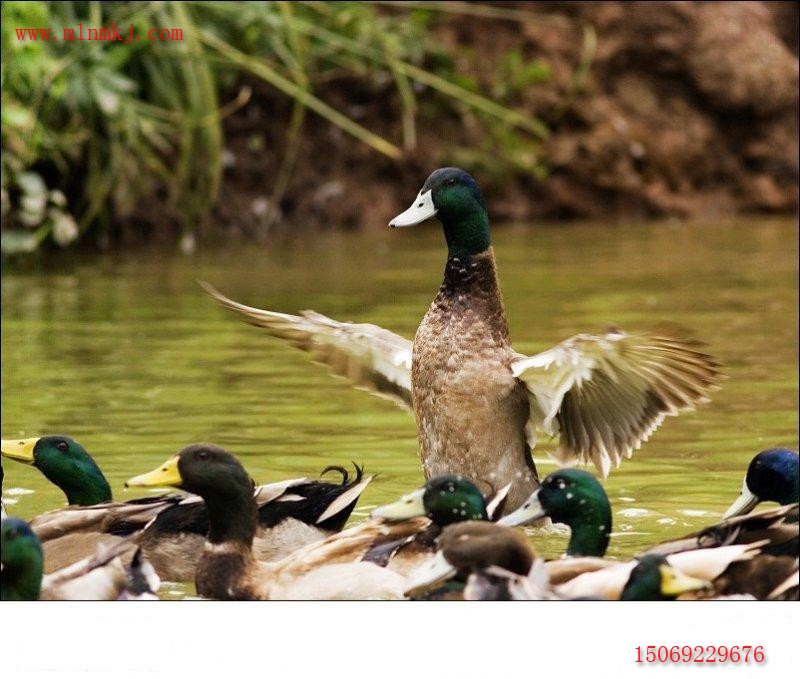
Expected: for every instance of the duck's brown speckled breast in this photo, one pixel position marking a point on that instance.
(471, 411)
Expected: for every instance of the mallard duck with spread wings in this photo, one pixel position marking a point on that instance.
(477, 402)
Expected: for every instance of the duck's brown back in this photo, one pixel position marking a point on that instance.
(471, 411)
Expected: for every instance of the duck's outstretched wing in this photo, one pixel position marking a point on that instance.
(373, 358)
(603, 395)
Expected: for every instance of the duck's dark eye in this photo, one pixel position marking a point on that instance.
(202, 455)
(62, 446)
(451, 182)
(12, 534)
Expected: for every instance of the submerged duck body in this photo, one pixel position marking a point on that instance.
(479, 404)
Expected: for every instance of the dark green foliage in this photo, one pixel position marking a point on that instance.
(93, 130)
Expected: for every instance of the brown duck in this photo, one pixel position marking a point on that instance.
(228, 568)
(477, 402)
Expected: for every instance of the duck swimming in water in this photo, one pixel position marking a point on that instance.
(772, 476)
(291, 513)
(108, 574)
(755, 555)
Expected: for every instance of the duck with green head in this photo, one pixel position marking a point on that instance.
(654, 579)
(102, 576)
(446, 500)
(227, 490)
(478, 403)
(575, 498)
(745, 555)
(23, 562)
(71, 534)
(290, 513)
(228, 568)
(471, 410)
(65, 463)
(772, 476)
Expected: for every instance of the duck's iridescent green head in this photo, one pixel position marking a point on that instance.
(22, 561)
(453, 196)
(65, 463)
(573, 497)
(445, 500)
(219, 478)
(654, 579)
(771, 477)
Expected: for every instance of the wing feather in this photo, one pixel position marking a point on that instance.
(604, 395)
(371, 357)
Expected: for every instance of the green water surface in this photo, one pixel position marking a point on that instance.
(126, 354)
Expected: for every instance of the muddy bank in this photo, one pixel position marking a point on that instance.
(654, 109)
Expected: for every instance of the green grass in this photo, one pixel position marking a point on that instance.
(92, 130)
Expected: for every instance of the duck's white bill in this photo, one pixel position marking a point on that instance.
(421, 209)
(428, 575)
(530, 510)
(407, 507)
(743, 504)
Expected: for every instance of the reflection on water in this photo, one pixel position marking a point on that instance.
(127, 355)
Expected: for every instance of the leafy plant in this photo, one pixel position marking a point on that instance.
(92, 130)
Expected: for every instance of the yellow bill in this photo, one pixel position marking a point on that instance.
(673, 582)
(19, 449)
(167, 474)
(407, 507)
